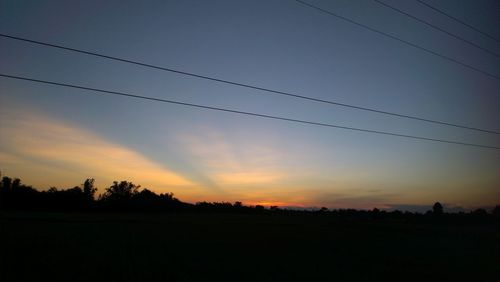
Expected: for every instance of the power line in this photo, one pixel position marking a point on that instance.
(458, 20)
(438, 28)
(267, 90)
(400, 40)
(128, 95)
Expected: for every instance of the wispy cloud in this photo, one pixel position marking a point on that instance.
(35, 145)
(231, 166)
(233, 162)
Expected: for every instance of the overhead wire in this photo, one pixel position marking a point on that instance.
(200, 106)
(437, 28)
(385, 34)
(244, 85)
(442, 12)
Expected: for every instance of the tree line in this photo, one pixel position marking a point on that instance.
(127, 196)
(120, 196)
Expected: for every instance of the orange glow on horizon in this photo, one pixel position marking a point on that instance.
(273, 203)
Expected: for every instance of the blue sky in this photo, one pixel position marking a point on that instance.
(52, 136)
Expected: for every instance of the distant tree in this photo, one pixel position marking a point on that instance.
(375, 213)
(168, 196)
(89, 189)
(15, 195)
(16, 184)
(75, 191)
(123, 190)
(6, 183)
(238, 204)
(145, 200)
(4, 191)
(437, 209)
(146, 193)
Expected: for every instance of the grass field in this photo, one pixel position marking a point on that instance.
(235, 247)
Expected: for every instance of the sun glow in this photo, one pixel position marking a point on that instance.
(272, 203)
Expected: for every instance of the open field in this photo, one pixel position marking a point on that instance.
(235, 247)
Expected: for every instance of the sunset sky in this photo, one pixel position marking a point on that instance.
(55, 136)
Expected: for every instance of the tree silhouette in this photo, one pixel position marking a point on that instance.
(89, 189)
(119, 196)
(121, 191)
(6, 184)
(15, 195)
(168, 197)
(437, 209)
(126, 196)
(16, 184)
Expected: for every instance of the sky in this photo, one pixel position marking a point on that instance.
(56, 136)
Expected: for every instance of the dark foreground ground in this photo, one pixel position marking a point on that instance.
(232, 247)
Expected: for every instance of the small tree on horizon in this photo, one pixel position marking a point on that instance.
(437, 209)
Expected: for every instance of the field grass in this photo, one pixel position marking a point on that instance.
(235, 247)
